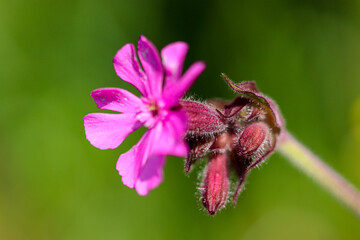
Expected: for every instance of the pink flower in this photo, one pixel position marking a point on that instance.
(161, 84)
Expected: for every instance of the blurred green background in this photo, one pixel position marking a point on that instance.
(55, 185)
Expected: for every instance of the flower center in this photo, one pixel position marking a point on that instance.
(151, 112)
(153, 108)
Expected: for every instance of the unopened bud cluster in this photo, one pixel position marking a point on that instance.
(234, 137)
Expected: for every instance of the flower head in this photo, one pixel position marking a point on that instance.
(235, 137)
(161, 83)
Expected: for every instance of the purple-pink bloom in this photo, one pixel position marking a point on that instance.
(162, 84)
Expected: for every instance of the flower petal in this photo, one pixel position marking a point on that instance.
(173, 56)
(142, 166)
(108, 131)
(116, 99)
(127, 68)
(150, 60)
(130, 163)
(176, 90)
(170, 135)
(151, 175)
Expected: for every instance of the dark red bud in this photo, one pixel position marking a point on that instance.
(216, 183)
(252, 137)
(202, 119)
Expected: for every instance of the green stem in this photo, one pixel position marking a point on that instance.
(313, 166)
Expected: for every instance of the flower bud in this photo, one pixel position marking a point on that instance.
(216, 183)
(235, 136)
(252, 138)
(202, 119)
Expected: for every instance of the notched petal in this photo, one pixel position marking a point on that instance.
(116, 99)
(175, 90)
(173, 57)
(108, 131)
(151, 175)
(127, 68)
(170, 135)
(151, 62)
